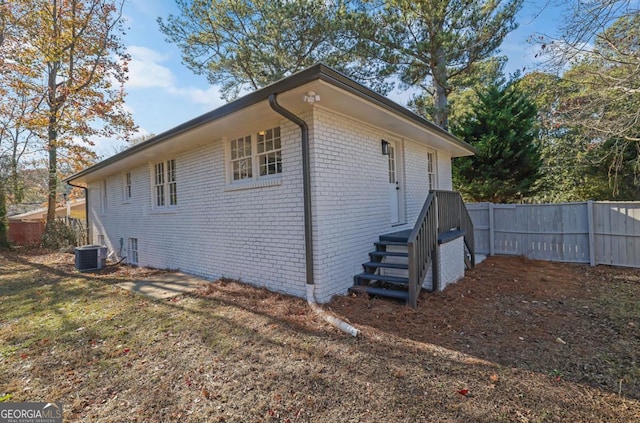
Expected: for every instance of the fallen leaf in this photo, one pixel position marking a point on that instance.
(494, 378)
(463, 392)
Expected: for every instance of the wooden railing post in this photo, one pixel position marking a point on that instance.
(435, 258)
(413, 298)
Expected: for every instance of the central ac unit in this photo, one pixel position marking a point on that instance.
(91, 257)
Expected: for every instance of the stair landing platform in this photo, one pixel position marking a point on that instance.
(400, 236)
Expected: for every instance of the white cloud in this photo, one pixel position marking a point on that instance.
(209, 97)
(127, 108)
(146, 70)
(107, 147)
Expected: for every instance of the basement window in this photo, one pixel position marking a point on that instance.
(133, 251)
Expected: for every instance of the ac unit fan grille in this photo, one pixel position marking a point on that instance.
(89, 257)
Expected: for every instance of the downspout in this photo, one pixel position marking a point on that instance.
(308, 226)
(86, 207)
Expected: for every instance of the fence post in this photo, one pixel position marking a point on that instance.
(435, 272)
(491, 235)
(592, 243)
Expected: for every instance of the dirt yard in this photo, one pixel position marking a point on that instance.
(516, 340)
(574, 322)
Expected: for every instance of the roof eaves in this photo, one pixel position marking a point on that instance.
(335, 78)
(262, 94)
(317, 71)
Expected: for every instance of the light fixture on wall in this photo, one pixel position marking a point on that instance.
(311, 97)
(385, 147)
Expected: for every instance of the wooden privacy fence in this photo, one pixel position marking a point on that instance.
(25, 233)
(591, 232)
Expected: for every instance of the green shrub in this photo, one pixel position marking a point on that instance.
(59, 235)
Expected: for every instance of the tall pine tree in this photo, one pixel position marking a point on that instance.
(502, 126)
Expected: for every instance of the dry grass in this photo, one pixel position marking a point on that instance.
(235, 353)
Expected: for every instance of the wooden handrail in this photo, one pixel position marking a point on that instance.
(421, 247)
(442, 211)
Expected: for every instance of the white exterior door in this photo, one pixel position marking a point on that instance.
(394, 183)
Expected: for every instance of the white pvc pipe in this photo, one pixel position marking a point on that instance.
(340, 324)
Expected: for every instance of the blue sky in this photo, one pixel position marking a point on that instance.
(163, 93)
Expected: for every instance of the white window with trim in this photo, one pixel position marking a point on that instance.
(255, 156)
(165, 187)
(126, 186)
(431, 170)
(133, 251)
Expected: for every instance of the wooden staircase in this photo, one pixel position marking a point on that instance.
(401, 260)
(386, 274)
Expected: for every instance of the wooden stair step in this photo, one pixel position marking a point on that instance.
(401, 236)
(387, 254)
(378, 265)
(381, 292)
(396, 280)
(390, 244)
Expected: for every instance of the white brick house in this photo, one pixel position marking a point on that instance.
(223, 195)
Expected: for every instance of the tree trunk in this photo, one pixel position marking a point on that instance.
(16, 186)
(4, 224)
(52, 135)
(439, 77)
(53, 176)
(49, 239)
(53, 183)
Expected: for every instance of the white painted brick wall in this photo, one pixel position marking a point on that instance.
(351, 202)
(417, 178)
(450, 266)
(257, 235)
(444, 171)
(254, 235)
(451, 262)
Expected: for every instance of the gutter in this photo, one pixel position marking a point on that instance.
(308, 217)
(86, 206)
